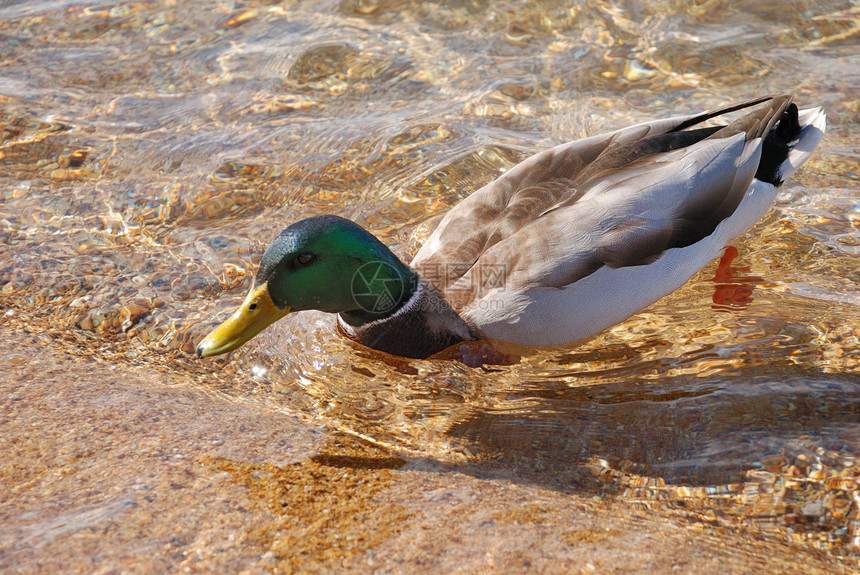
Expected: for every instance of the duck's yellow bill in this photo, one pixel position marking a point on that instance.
(256, 313)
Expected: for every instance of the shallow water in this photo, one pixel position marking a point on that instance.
(148, 158)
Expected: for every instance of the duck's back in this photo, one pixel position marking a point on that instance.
(581, 236)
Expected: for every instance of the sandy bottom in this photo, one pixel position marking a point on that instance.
(120, 468)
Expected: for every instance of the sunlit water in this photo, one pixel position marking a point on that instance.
(150, 151)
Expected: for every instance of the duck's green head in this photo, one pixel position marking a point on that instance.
(326, 263)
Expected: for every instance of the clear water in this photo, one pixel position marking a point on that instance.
(150, 151)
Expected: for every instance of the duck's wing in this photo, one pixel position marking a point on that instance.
(617, 199)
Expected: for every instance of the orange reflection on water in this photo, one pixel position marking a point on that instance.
(733, 289)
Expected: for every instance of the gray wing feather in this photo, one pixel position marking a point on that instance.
(463, 234)
(631, 222)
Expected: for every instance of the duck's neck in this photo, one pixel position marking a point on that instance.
(424, 325)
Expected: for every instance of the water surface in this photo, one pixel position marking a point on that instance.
(151, 150)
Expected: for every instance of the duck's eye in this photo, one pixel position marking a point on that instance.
(304, 259)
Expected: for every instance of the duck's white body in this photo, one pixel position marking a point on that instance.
(609, 295)
(624, 235)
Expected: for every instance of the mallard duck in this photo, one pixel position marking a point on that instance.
(567, 243)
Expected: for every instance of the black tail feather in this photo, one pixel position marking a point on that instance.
(776, 146)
